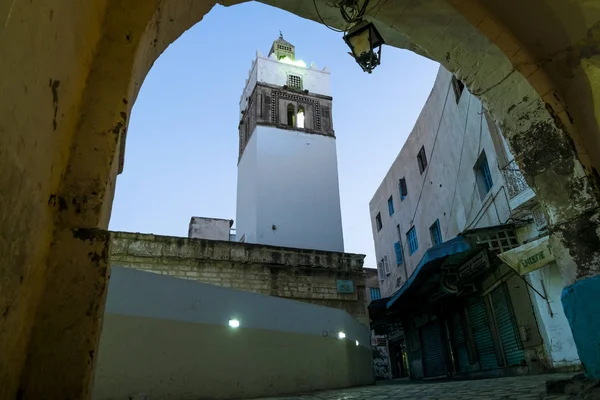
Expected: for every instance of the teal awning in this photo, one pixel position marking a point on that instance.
(430, 264)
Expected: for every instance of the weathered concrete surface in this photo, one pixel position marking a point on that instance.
(82, 66)
(169, 339)
(305, 275)
(67, 329)
(514, 388)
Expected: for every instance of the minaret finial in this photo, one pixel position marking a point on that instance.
(280, 34)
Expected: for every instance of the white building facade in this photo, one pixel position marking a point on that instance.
(455, 174)
(288, 188)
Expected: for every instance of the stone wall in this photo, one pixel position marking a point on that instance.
(305, 275)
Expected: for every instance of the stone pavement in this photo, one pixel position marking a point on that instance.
(512, 388)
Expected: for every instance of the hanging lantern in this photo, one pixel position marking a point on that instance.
(365, 44)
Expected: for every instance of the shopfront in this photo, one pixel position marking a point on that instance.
(464, 313)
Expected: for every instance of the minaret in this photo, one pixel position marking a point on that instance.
(288, 190)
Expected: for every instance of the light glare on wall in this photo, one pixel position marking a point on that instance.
(234, 323)
(357, 342)
(341, 335)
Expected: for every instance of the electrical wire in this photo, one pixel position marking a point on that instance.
(459, 164)
(322, 21)
(431, 155)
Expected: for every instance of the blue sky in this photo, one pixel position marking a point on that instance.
(182, 142)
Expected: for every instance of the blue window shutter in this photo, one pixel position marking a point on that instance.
(487, 176)
(413, 244)
(436, 233)
(391, 205)
(398, 251)
(375, 294)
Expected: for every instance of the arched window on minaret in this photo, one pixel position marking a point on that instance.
(300, 117)
(291, 115)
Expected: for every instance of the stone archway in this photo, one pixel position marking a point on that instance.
(75, 78)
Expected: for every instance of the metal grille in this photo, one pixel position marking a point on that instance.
(498, 241)
(515, 181)
(294, 81)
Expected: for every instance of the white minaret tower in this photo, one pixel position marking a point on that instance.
(288, 190)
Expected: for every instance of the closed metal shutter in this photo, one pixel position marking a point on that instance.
(459, 343)
(482, 334)
(507, 327)
(434, 356)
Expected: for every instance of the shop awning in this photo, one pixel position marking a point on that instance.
(529, 257)
(430, 263)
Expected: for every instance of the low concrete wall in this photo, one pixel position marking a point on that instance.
(169, 338)
(310, 276)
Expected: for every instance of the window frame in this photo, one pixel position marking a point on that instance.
(378, 222)
(422, 160)
(402, 197)
(295, 82)
(377, 296)
(391, 205)
(458, 87)
(399, 253)
(435, 230)
(386, 265)
(413, 240)
(483, 175)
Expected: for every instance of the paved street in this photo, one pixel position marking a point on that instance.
(514, 388)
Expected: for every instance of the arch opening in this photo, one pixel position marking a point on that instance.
(90, 142)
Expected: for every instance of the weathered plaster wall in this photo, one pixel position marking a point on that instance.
(169, 339)
(554, 326)
(288, 191)
(304, 275)
(453, 135)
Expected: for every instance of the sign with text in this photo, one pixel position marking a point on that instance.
(345, 286)
(529, 257)
(473, 266)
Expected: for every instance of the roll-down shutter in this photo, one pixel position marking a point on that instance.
(459, 343)
(482, 335)
(507, 327)
(434, 356)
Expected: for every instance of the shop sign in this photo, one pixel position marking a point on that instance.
(345, 286)
(473, 266)
(529, 257)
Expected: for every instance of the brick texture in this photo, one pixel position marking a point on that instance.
(305, 275)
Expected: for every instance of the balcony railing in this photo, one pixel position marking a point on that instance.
(515, 181)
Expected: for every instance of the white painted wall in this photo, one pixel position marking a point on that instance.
(209, 228)
(554, 327)
(290, 180)
(449, 193)
(247, 193)
(274, 72)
